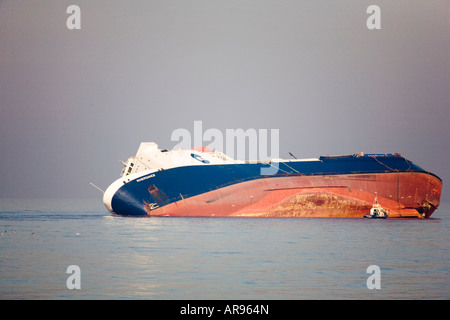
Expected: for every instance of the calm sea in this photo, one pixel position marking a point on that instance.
(216, 258)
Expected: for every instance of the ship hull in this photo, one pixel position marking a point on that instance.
(402, 195)
(331, 188)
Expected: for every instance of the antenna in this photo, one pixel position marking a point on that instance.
(96, 187)
(293, 155)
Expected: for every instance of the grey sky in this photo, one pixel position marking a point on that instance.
(75, 102)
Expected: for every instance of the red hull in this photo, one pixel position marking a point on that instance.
(402, 194)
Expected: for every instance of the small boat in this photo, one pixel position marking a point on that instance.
(376, 212)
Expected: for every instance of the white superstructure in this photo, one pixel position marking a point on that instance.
(150, 157)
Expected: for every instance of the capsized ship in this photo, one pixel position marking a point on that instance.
(201, 182)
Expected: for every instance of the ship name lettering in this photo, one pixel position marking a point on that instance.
(145, 178)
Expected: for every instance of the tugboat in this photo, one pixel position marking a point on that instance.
(377, 212)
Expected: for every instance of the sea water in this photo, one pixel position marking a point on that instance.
(216, 258)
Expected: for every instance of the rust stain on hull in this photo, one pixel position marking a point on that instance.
(319, 205)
